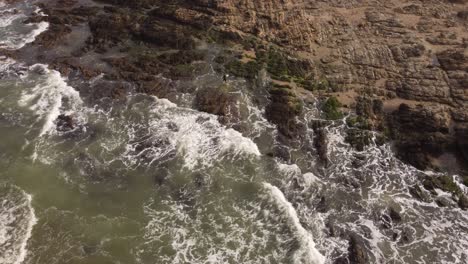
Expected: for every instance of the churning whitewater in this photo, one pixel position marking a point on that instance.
(149, 180)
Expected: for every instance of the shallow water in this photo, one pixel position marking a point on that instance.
(153, 181)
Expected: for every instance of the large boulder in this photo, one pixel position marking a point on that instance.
(219, 101)
(282, 110)
(420, 132)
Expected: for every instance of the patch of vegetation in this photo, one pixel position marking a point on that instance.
(276, 65)
(444, 183)
(279, 65)
(331, 109)
(248, 70)
(225, 88)
(286, 95)
(296, 104)
(447, 184)
(358, 122)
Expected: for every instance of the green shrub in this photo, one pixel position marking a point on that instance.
(331, 109)
(248, 70)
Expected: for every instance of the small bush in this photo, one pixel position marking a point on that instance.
(331, 109)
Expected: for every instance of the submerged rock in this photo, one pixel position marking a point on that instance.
(65, 123)
(357, 250)
(417, 192)
(463, 202)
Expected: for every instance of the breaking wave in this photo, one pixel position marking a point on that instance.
(17, 219)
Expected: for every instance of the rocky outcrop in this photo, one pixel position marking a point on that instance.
(283, 109)
(357, 250)
(421, 132)
(219, 101)
(65, 123)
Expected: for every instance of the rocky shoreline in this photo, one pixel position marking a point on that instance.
(406, 57)
(396, 67)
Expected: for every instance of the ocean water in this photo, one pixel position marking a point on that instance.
(148, 180)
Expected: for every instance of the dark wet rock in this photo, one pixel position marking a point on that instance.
(444, 183)
(406, 235)
(283, 109)
(61, 19)
(369, 107)
(161, 176)
(447, 184)
(103, 93)
(421, 132)
(219, 101)
(463, 202)
(417, 192)
(357, 250)
(341, 260)
(358, 160)
(69, 66)
(65, 123)
(89, 250)
(358, 139)
(461, 134)
(443, 201)
(38, 69)
(321, 145)
(394, 215)
(281, 152)
(386, 221)
(161, 35)
(322, 205)
(463, 15)
(172, 126)
(199, 180)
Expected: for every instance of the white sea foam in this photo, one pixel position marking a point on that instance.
(307, 252)
(379, 180)
(14, 33)
(7, 17)
(197, 137)
(7, 66)
(50, 97)
(17, 220)
(222, 232)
